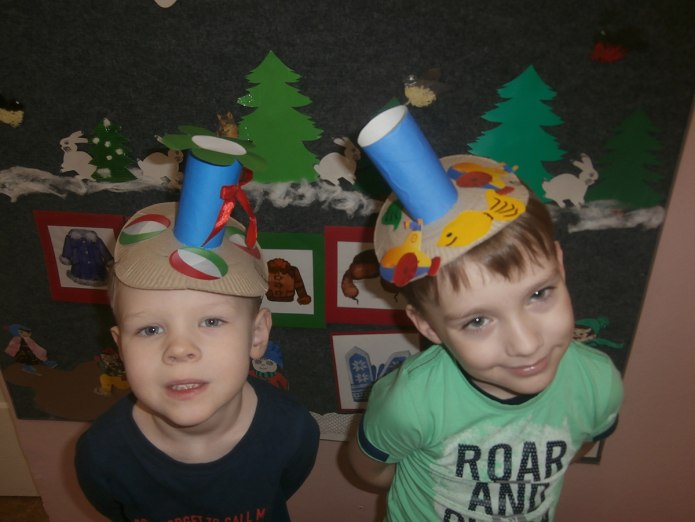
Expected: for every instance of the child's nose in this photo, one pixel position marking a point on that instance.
(181, 349)
(524, 338)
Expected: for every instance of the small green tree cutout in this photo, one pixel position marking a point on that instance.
(520, 139)
(624, 173)
(276, 128)
(110, 154)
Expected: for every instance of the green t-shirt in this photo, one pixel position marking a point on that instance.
(463, 456)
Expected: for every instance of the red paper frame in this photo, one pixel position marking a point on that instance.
(46, 219)
(337, 313)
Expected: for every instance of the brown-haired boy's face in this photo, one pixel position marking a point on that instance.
(508, 334)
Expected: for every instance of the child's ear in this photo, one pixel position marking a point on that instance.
(116, 335)
(422, 324)
(261, 333)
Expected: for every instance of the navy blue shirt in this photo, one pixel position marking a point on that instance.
(127, 478)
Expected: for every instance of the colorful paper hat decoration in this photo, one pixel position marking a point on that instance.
(440, 208)
(195, 245)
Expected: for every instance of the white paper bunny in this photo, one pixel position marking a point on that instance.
(76, 160)
(335, 165)
(163, 168)
(572, 187)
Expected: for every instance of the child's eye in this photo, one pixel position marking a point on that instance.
(542, 294)
(149, 331)
(476, 323)
(212, 322)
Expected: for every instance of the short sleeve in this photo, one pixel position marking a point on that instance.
(610, 398)
(392, 427)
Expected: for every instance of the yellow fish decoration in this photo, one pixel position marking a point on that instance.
(471, 225)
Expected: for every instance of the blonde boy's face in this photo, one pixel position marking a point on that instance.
(186, 352)
(509, 335)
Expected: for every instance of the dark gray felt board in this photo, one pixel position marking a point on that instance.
(151, 69)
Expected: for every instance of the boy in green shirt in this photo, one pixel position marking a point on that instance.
(482, 425)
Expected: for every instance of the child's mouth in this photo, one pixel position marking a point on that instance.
(532, 369)
(184, 387)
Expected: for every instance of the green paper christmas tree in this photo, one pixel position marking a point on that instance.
(624, 173)
(276, 128)
(520, 139)
(110, 155)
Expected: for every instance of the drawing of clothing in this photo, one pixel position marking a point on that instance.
(87, 256)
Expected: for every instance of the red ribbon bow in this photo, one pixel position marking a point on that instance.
(230, 194)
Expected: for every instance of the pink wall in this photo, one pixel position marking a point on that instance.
(646, 469)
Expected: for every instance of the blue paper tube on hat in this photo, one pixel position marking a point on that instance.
(197, 213)
(396, 145)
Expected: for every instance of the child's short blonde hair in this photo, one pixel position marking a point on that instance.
(529, 239)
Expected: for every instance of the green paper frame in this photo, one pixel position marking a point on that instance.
(306, 253)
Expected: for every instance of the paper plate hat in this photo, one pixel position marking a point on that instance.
(195, 245)
(440, 208)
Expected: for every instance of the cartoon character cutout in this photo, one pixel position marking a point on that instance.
(113, 373)
(269, 367)
(26, 351)
(587, 330)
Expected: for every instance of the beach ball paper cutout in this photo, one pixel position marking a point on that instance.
(198, 263)
(237, 237)
(143, 228)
